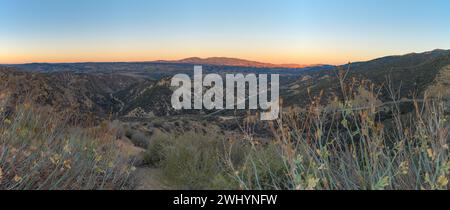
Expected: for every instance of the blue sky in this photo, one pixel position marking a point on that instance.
(278, 31)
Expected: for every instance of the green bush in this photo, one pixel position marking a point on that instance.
(156, 152)
(190, 161)
(263, 168)
(139, 139)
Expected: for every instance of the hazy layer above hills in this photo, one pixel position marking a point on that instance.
(156, 70)
(224, 61)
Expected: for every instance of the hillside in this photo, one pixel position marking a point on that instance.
(409, 74)
(86, 97)
(81, 96)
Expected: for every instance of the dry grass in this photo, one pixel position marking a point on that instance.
(39, 151)
(353, 143)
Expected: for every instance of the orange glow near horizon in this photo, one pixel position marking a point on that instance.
(279, 32)
(129, 56)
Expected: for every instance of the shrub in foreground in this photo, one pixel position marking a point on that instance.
(38, 151)
(190, 161)
(347, 145)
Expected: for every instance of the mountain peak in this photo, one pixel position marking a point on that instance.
(227, 61)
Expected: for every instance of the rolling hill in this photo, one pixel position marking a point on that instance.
(409, 74)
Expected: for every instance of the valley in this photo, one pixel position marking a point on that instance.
(133, 102)
(133, 90)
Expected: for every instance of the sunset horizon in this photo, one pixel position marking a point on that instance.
(289, 32)
(175, 59)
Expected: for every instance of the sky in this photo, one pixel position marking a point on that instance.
(275, 31)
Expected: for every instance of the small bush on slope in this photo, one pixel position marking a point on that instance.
(190, 161)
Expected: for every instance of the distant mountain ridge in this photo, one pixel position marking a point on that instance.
(135, 90)
(225, 61)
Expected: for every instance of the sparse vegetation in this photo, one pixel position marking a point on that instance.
(344, 145)
(348, 146)
(39, 151)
